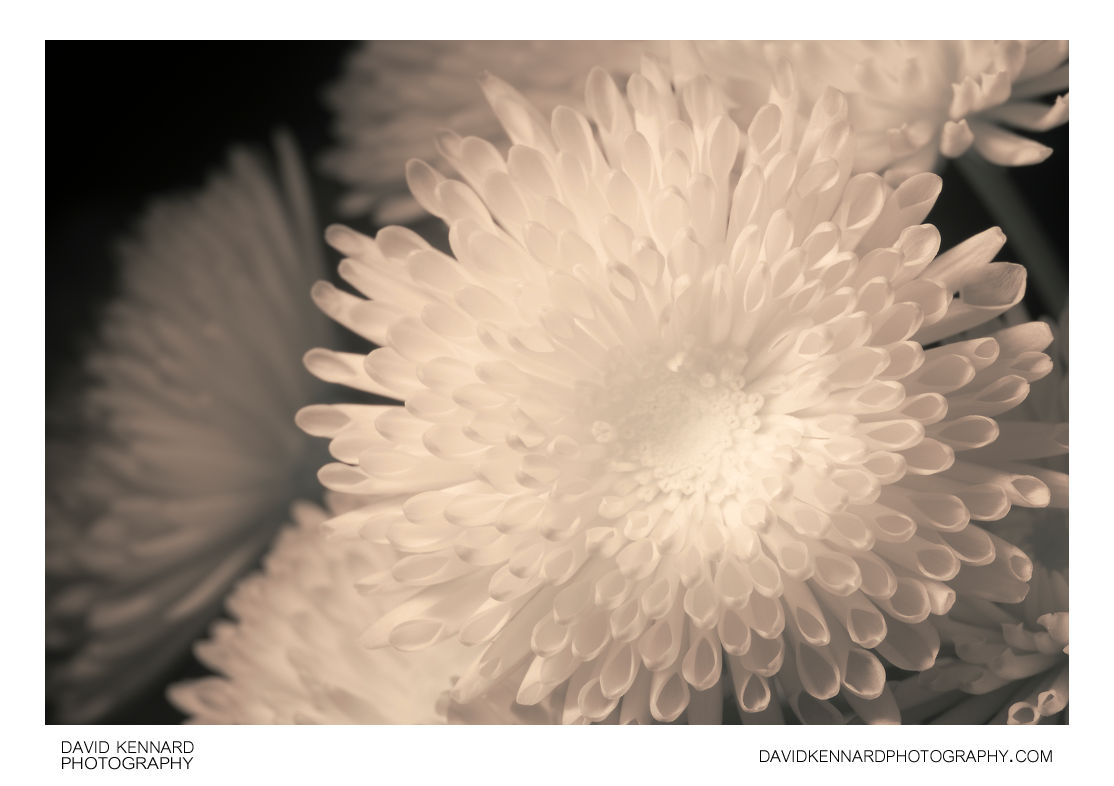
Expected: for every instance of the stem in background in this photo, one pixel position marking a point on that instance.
(1022, 227)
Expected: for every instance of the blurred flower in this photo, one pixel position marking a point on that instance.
(292, 656)
(914, 101)
(1014, 659)
(191, 454)
(395, 96)
(668, 412)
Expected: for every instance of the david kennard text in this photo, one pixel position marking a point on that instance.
(126, 754)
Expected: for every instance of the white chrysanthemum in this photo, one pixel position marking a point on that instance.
(1014, 659)
(911, 102)
(395, 96)
(673, 414)
(194, 453)
(292, 655)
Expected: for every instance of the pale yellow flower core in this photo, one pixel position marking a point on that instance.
(683, 423)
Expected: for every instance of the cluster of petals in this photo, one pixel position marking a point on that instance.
(1042, 533)
(1010, 663)
(680, 417)
(911, 103)
(395, 96)
(191, 452)
(290, 654)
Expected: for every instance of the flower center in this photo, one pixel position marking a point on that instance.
(682, 423)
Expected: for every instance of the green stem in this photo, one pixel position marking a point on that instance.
(1022, 227)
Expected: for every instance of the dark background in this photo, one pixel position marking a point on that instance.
(128, 121)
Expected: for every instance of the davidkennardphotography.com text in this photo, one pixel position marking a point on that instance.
(903, 756)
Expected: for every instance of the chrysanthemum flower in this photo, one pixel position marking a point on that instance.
(1014, 659)
(675, 420)
(193, 454)
(913, 102)
(396, 95)
(292, 655)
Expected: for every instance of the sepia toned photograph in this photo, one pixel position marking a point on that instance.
(547, 382)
